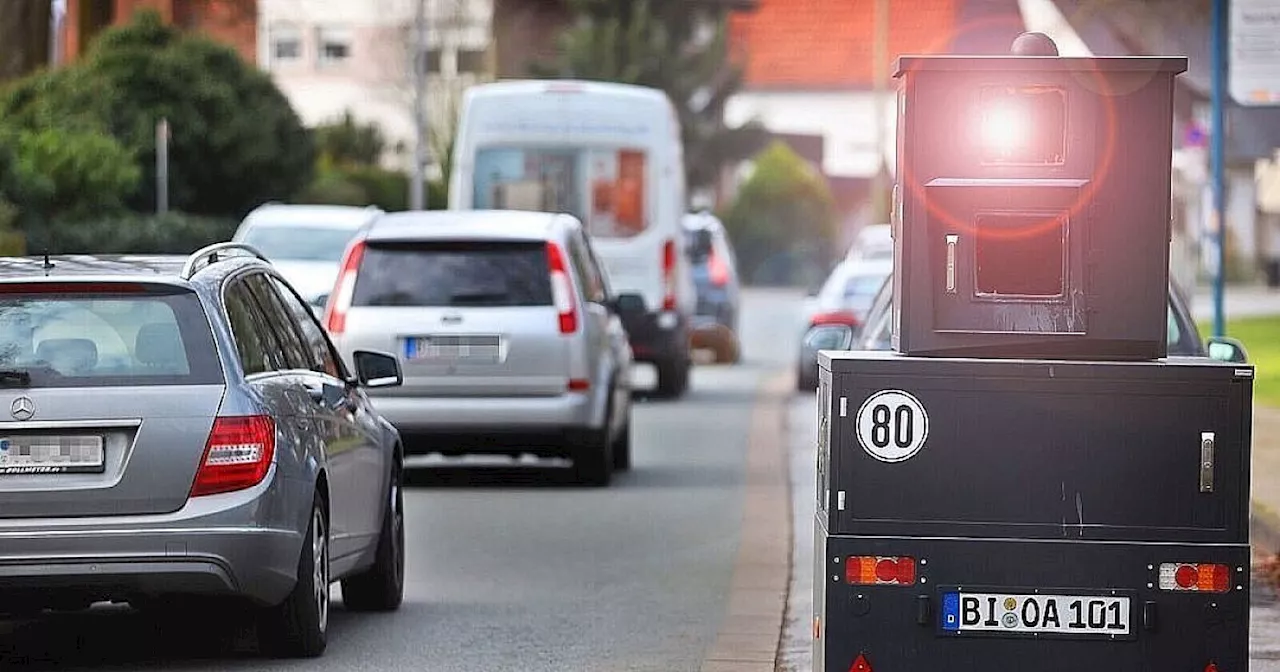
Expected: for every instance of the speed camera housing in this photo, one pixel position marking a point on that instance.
(1032, 206)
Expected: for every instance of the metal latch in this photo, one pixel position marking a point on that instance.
(1206, 461)
(952, 239)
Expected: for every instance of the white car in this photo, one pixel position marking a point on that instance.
(874, 243)
(305, 242)
(847, 294)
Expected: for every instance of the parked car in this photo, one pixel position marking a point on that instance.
(188, 430)
(877, 334)
(510, 338)
(304, 242)
(846, 294)
(715, 275)
(874, 242)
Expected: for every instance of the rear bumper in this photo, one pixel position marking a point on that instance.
(213, 546)
(489, 415)
(658, 337)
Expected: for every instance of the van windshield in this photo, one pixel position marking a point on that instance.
(604, 188)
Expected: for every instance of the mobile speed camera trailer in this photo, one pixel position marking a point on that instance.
(1028, 482)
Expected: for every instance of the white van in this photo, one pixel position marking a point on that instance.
(611, 155)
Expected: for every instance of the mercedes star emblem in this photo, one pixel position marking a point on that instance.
(22, 408)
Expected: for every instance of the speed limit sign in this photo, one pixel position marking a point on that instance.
(892, 425)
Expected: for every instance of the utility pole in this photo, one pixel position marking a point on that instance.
(1217, 150)
(417, 192)
(880, 78)
(162, 167)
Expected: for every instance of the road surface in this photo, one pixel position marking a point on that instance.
(512, 568)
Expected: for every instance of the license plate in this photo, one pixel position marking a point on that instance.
(453, 348)
(51, 455)
(1000, 613)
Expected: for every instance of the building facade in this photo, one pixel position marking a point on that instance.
(334, 56)
(232, 22)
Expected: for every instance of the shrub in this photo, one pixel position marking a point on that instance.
(170, 233)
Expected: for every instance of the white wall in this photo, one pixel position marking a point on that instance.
(846, 120)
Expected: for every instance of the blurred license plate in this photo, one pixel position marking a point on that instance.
(51, 455)
(453, 348)
(1016, 614)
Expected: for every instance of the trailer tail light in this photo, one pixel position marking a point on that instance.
(1211, 667)
(669, 275)
(1195, 578)
(562, 289)
(335, 318)
(869, 570)
(860, 664)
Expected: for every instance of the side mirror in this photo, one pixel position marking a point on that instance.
(627, 304)
(377, 369)
(320, 300)
(1225, 349)
(828, 337)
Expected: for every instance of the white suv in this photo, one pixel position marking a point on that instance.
(508, 335)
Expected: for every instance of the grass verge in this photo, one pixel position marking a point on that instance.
(1261, 337)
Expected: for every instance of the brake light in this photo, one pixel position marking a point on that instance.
(869, 570)
(335, 317)
(237, 456)
(719, 270)
(1195, 578)
(669, 275)
(71, 288)
(562, 289)
(844, 317)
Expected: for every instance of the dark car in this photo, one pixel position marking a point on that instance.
(715, 276)
(877, 334)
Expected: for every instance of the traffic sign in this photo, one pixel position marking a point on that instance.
(1255, 52)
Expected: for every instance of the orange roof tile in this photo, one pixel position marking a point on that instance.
(802, 44)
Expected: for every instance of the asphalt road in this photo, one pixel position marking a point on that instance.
(509, 566)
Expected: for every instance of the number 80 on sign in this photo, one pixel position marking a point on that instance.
(892, 425)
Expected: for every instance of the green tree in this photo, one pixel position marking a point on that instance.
(658, 43)
(235, 140)
(782, 220)
(347, 142)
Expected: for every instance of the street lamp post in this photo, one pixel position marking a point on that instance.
(417, 192)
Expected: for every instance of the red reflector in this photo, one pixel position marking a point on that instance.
(860, 664)
(883, 570)
(71, 288)
(579, 384)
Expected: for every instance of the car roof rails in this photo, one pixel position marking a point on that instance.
(212, 253)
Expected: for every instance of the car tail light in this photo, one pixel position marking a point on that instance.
(335, 318)
(870, 570)
(237, 456)
(669, 275)
(719, 270)
(562, 289)
(844, 317)
(860, 664)
(1195, 578)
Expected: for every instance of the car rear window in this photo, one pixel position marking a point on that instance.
(454, 274)
(91, 335)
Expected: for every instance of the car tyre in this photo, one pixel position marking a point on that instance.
(673, 379)
(299, 626)
(381, 586)
(622, 445)
(593, 459)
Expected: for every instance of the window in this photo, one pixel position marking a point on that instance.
(320, 349)
(1020, 255)
(430, 59)
(591, 286)
(300, 242)
(604, 188)
(334, 45)
(474, 61)
(258, 349)
(457, 274)
(286, 42)
(104, 337)
(277, 319)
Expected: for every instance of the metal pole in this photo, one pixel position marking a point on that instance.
(162, 167)
(1218, 150)
(417, 195)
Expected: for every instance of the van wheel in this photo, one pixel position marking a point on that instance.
(381, 587)
(673, 379)
(299, 626)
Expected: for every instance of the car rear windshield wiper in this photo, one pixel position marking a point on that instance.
(15, 378)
